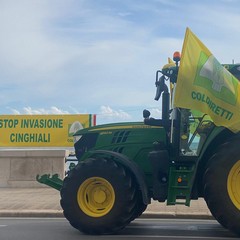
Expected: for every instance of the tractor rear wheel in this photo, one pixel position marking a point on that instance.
(99, 196)
(222, 185)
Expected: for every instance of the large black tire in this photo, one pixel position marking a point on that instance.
(139, 207)
(222, 185)
(99, 197)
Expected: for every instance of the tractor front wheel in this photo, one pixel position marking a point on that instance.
(98, 196)
(222, 185)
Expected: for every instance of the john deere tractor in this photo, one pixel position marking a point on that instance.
(175, 159)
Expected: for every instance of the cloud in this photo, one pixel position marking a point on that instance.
(40, 111)
(155, 113)
(107, 114)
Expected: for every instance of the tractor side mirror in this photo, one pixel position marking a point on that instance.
(146, 113)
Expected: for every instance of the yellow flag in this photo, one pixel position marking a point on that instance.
(203, 84)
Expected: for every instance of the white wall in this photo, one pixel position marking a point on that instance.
(18, 168)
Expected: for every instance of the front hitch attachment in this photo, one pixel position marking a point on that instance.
(54, 181)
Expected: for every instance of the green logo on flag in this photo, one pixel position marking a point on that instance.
(212, 76)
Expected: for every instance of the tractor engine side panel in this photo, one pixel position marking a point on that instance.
(135, 142)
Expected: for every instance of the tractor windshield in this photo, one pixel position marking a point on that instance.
(194, 129)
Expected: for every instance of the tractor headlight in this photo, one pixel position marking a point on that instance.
(83, 143)
(76, 138)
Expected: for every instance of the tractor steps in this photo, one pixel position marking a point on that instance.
(180, 185)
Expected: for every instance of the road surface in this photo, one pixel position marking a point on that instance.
(143, 228)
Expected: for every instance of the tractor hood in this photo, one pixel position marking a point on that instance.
(111, 127)
(117, 137)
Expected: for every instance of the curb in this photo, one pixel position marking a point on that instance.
(59, 214)
(176, 215)
(32, 213)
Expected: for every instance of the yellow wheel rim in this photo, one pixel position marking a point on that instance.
(233, 184)
(96, 197)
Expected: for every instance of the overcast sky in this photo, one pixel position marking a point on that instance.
(100, 56)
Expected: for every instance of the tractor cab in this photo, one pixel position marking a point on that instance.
(188, 132)
(187, 129)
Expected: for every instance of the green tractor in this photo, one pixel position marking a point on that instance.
(178, 158)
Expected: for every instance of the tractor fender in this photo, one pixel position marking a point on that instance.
(132, 166)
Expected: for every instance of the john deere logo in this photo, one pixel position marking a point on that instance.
(212, 76)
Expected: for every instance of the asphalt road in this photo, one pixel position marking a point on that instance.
(59, 229)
